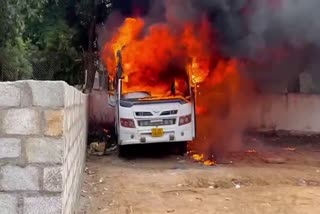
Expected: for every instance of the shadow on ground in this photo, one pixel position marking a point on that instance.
(151, 151)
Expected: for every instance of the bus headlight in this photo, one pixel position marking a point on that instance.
(127, 123)
(183, 120)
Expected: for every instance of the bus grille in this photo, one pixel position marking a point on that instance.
(164, 122)
(143, 114)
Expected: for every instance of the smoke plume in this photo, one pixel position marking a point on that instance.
(243, 26)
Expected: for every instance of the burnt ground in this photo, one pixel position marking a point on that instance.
(272, 174)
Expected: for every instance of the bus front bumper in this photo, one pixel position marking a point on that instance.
(129, 136)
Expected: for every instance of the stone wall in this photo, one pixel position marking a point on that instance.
(43, 129)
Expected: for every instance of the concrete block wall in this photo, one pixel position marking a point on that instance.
(43, 132)
(296, 113)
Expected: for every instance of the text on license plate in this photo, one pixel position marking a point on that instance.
(157, 132)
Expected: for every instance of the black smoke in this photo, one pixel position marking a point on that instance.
(277, 37)
(243, 26)
(132, 7)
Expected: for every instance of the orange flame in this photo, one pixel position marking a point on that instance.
(159, 56)
(201, 158)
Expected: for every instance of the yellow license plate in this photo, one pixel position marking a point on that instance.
(157, 132)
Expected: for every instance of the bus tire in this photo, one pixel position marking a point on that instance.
(182, 148)
(122, 151)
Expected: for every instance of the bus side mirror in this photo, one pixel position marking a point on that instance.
(112, 99)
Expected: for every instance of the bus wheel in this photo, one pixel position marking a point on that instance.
(182, 148)
(122, 151)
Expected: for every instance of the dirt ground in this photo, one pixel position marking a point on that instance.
(245, 183)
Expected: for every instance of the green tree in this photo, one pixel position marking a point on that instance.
(14, 48)
(91, 13)
(46, 39)
(55, 52)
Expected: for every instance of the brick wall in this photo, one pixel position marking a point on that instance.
(43, 129)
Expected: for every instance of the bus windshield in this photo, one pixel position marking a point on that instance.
(178, 88)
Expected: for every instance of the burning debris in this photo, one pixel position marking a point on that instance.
(209, 163)
(201, 158)
(198, 157)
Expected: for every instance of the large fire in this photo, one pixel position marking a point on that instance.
(154, 57)
(158, 55)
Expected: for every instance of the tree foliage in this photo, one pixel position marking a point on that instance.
(45, 39)
(53, 45)
(14, 48)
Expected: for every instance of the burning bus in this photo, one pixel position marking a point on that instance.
(155, 73)
(143, 117)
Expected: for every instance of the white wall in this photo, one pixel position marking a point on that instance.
(293, 112)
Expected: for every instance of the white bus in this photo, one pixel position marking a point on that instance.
(143, 119)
